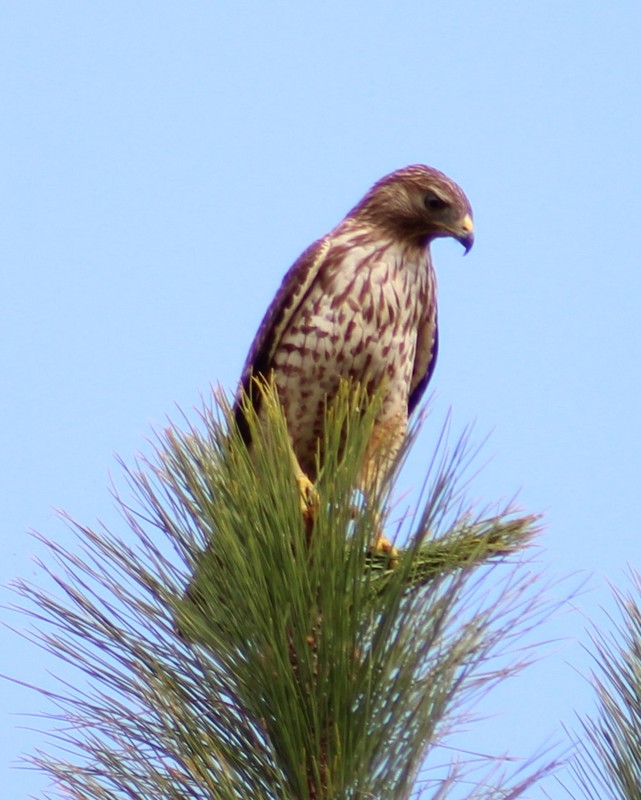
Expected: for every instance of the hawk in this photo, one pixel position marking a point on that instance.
(359, 304)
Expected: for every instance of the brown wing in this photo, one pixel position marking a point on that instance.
(422, 377)
(292, 292)
(426, 346)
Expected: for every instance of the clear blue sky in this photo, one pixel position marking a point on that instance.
(162, 164)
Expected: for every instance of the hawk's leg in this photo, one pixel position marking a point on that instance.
(382, 450)
(307, 493)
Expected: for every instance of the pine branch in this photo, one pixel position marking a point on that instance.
(608, 761)
(231, 652)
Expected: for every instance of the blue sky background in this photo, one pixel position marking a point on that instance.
(162, 164)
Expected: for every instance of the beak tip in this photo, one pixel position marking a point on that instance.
(467, 241)
(466, 237)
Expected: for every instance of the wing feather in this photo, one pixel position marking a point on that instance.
(426, 344)
(292, 293)
(423, 367)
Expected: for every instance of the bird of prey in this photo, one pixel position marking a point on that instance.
(359, 305)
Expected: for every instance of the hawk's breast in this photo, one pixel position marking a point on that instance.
(359, 320)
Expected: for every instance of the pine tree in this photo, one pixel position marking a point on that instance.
(607, 764)
(230, 650)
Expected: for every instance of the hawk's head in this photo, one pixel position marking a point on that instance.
(418, 203)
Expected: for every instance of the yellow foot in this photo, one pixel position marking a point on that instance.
(308, 497)
(383, 547)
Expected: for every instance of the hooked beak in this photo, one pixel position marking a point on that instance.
(465, 233)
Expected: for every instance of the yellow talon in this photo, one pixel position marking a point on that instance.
(384, 547)
(308, 497)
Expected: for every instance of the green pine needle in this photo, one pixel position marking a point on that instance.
(608, 761)
(233, 650)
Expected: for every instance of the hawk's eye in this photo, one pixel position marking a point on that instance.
(434, 202)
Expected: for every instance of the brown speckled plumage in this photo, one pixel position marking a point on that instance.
(361, 303)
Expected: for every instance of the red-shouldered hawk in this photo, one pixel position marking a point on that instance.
(360, 304)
